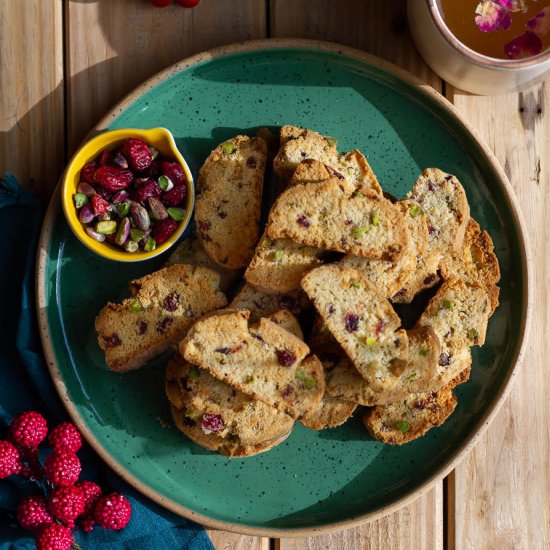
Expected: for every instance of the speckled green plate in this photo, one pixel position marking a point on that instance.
(314, 481)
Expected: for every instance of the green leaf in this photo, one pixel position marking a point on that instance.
(80, 199)
(176, 214)
(165, 183)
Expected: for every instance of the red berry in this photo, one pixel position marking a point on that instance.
(104, 158)
(54, 537)
(113, 178)
(161, 3)
(286, 358)
(175, 196)
(188, 3)
(91, 492)
(137, 154)
(146, 190)
(31, 469)
(28, 429)
(87, 173)
(10, 460)
(173, 171)
(113, 511)
(62, 468)
(212, 423)
(65, 437)
(66, 504)
(163, 229)
(99, 205)
(32, 513)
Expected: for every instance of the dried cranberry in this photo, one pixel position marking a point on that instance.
(112, 178)
(251, 162)
(112, 341)
(429, 279)
(380, 327)
(303, 220)
(212, 422)
(287, 392)
(173, 171)
(286, 358)
(104, 194)
(87, 173)
(337, 174)
(154, 169)
(171, 302)
(163, 229)
(104, 158)
(203, 230)
(433, 230)
(175, 196)
(142, 327)
(399, 294)
(225, 350)
(99, 205)
(444, 359)
(331, 309)
(431, 186)
(146, 190)
(163, 324)
(137, 154)
(351, 321)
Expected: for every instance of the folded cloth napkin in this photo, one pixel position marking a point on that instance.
(26, 385)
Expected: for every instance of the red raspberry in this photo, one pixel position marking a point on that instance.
(62, 468)
(87, 173)
(32, 513)
(28, 429)
(54, 537)
(92, 492)
(65, 437)
(31, 468)
(100, 206)
(173, 171)
(188, 3)
(137, 154)
(10, 460)
(66, 504)
(161, 3)
(113, 511)
(113, 178)
(175, 196)
(163, 229)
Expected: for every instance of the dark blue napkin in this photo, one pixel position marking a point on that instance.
(26, 385)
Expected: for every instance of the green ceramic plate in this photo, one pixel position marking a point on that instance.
(313, 481)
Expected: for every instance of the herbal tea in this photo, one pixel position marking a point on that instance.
(505, 29)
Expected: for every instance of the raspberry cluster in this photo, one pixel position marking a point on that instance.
(67, 502)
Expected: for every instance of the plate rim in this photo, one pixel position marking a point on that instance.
(431, 96)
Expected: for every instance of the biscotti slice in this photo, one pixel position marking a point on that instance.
(390, 277)
(325, 215)
(229, 200)
(345, 382)
(355, 168)
(363, 322)
(297, 145)
(410, 418)
(475, 262)
(190, 252)
(443, 200)
(219, 408)
(263, 360)
(230, 447)
(278, 265)
(261, 304)
(315, 171)
(458, 314)
(287, 321)
(321, 339)
(163, 306)
(329, 413)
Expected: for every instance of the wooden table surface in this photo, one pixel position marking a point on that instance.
(64, 63)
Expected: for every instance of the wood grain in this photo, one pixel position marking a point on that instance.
(113, 46)
(501, 491)
(223, 540)
(31, 92)
(379, 28)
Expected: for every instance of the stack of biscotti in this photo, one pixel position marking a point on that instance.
(162, 308)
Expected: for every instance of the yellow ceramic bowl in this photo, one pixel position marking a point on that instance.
(159, 138)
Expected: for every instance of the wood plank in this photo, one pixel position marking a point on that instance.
(379, 28)
(418, 526)
(114, 46)
(223, 540)
(501, 492)
(31, 92)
